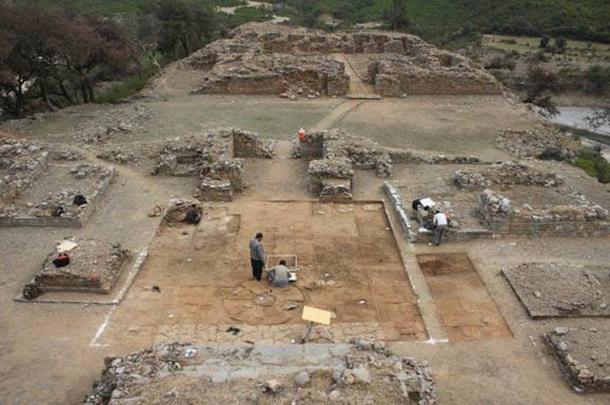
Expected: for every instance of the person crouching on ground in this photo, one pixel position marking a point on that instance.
(257, 256)
(440, 226)
(278, 275)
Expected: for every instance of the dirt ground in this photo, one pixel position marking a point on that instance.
(51, 353)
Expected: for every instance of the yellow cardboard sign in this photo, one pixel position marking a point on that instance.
(312, 314)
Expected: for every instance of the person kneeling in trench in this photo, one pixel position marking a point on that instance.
(278, 275)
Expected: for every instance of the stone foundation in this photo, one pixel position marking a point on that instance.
(215, 157)
(505, 174)
(94, 267)
(92, 181)
(583, 354)
(214, 190)
(262, 58)
(584, 219)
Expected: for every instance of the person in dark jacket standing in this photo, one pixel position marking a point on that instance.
(257, 256)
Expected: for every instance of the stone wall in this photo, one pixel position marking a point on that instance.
(215, 157)
(583, 219)
(506, 174)
(262, 58)
(324, 169)
(248, 145)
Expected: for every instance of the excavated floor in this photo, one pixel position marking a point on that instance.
(465, 307)
(349, 265)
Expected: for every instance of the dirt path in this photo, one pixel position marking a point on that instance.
(336, 115)
(357, 87)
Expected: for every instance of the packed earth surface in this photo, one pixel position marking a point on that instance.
(178, 318)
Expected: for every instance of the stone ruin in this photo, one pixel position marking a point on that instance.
(561, 290)
(37, 187)
(21, 162)
(216, 157)
(505, 174)
(544, 142)
(363, 372)
(94, 267)
(263, 58)
(581, 218)
(331, 176)
(583, 355)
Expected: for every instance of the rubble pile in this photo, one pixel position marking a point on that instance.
(543, 142)
(21, 162)
(94, 267)
(584, 356)
(506, 174)
(216, 157)
(263, 58)
(64, 153)
(360, 373)
(124, 119)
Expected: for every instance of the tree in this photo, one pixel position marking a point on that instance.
(46, 53)
(396, 15)
(539, 85)
(560, 44)
(308, 12)
(599, 118)
(185, 26)
(598, 79)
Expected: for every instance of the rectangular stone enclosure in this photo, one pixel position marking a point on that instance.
(560, 290)
(348, 263)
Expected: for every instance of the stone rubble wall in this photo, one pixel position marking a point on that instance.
(336, 190)
(216, 158)
(506, 173)
(248, 145)
(582, 371)
(584, 219)
(397, 75)
(260, 58)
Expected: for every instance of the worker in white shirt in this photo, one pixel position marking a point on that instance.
(440, 226)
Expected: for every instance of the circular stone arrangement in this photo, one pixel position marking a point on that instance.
(256, 303)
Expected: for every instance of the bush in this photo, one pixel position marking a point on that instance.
(594, 164)
(597, 79)
(124, 89)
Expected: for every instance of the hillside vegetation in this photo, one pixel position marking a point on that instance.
(438, 21)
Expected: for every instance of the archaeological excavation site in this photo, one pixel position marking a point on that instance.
(417, 245)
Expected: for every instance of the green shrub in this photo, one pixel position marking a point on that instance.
(122, 90)
(594, 164)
